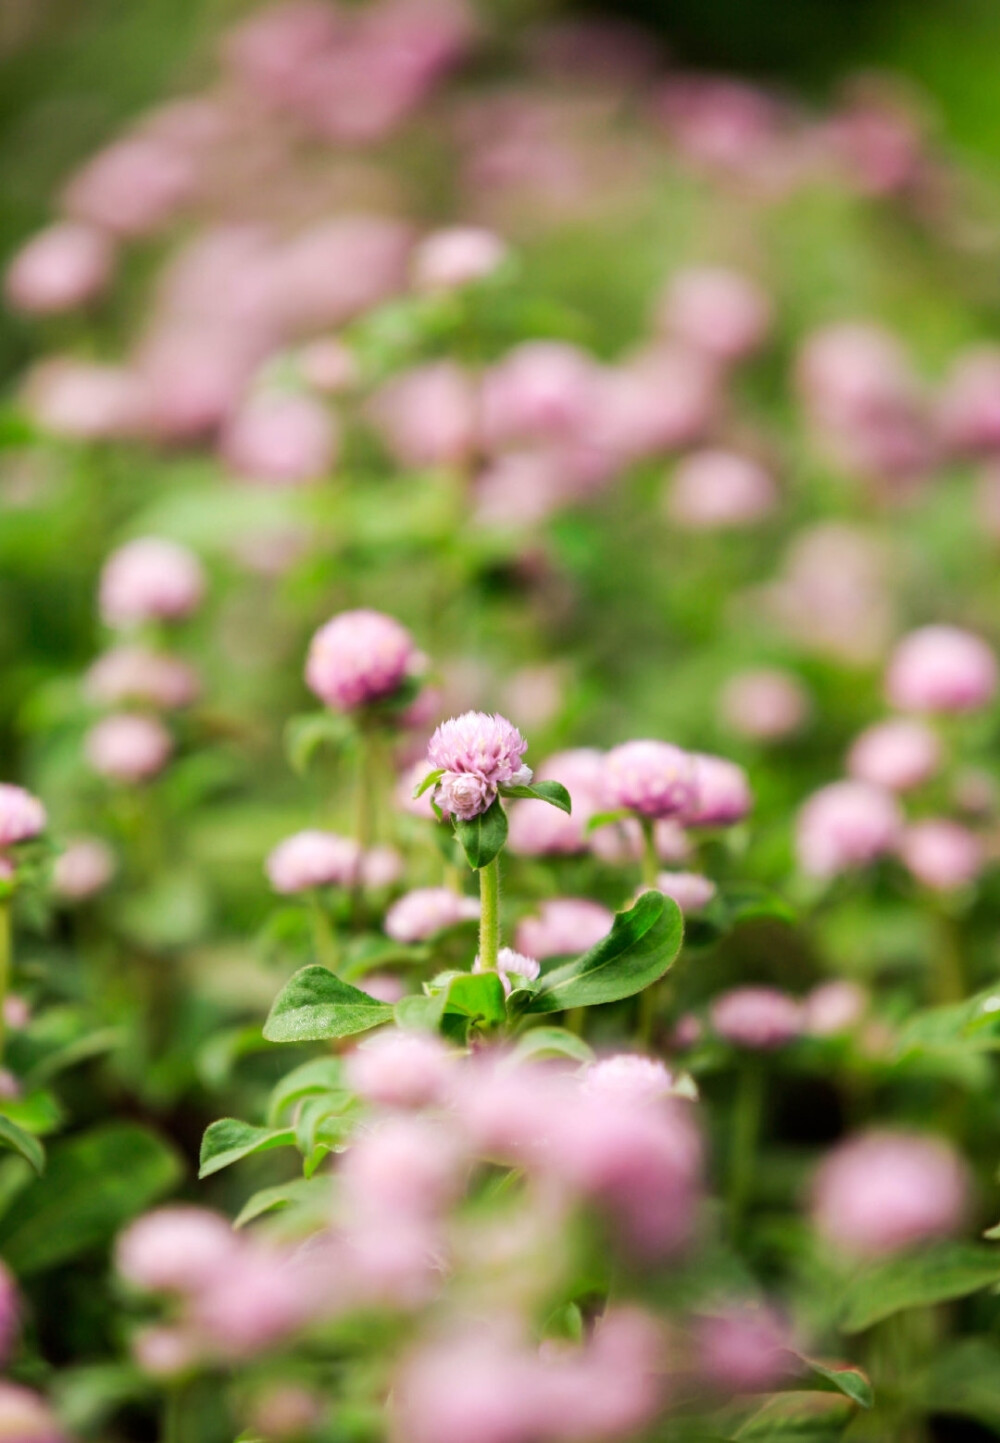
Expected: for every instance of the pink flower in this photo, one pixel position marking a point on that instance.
(133, 673)
(881, 1191)
(176, 1250)
(722, 793)
(628, 1078)
(969, 406)
(281, 440)
(513, 967)
(132, 187)
(400, 1069)
(83, 400)
(846, 825)
(448, 259)
(406, 1167)
(84, 868)
(765, 705)
(150, 580)
(128, 748)
(60, 268)
(718, 489)
(328, 366)
(313, 859)
(942, 854)
(898, 754)
(22, 816)
(359, 657)
(464, 795)
(651, 778)
(252, 1305)
(427, 416)
(487, 747)
(422, 913)
(743, 1350)
(722, 313)
(690, 890)
(834, 1007)
(757, 1017)
(381, 867)
(536, 829)
(941, 669)
(25, 1417)
(540, 391)
(564, 927)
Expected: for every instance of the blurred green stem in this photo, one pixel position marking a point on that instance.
(650, 861)
(489, 920)
(949, 974)
(747, 1114)
(5, 964)
(364, 805)
(323, 935)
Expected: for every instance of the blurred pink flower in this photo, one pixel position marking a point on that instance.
(718, 489)
(652, 778)
(128, 748)
(898, 754)
(419, 914)
(564, 927)
(150, 579)
(942, 854)
(846, 825)
(941, 669)
(759, 1018)
(58, 269)
(359, 657)
(313, 859)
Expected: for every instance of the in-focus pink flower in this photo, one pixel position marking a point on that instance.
(652, 778)
(713, 490)
(898, 754)
(83, 869)
(482, 746)
(846, 825)
(60, 268)
(313, 859)
(419, 914)
(150, 579)
(757, 1017)
(128, 748)
(22, 816)
(883, 1190)
(564, 927)
(942, 854)
(359, 657)
(941, 669)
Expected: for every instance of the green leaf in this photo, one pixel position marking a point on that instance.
(318, 1076)
(483, 837)
(304, 735)
(478, 996)
(430, 780)
(95, 1183)
(916, 1280)
(229, 1140)
(270, 1199)
(315, 1005)
(802, 1417)
(551, 1042)
(420, 1013)
(552, 792)
(637, 951)
(820, 1377)
(22, 1142)
(82, 1049)
(607, 819)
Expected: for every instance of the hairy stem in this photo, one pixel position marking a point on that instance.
(489, 921)
(650, 861)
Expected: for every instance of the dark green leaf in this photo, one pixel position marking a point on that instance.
(552, 792)
(229, 1140)
(484, 836)
(95, 1183)
(478, 996)
(22, 1142)
(640, 947)
(315, 1005)
(916, 1280)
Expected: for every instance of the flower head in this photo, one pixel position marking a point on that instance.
(313, 859)
(845, 825)
(22, 816)
(757, 1017)
(563, 927)
(425, 911)
(652, 778)
(86, 866)
(359, 657)
(690, 890)
(722, 793)
(128, 748)
(941, 669)
(898, 754)
(150, 579)
(477, 753)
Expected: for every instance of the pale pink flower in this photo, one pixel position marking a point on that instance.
(690, 890)
(359, 657)
(513, 968)
(313, 858)
(537, 829)
(628, 1078)
(652, 778)
(898, 754)
(166, 1352)
(969, 405)
(407, 785)
(328, 365)
(765, 705)
(942, 854)
(25, 1417)
(128, 748)
(177, 1250)
(834, 1007)
(564, 927)
(286, 1411)
(60, 268)
(22, 816)
(464, 794)
(832, 594)
(427, 416)
(337, 269)
(480, 745)
(400, 1069)
(404, 1167)
(759, 1018)
(420, 914)
(721, 313)
(385, 987)
(744, 1350)
(846, 825)
(134, 673)
(722, 793)
(715, 489)
(245, 1309)
(881, 1191)
(132, 187)
(83, 869)
(281, 440)
(16, 1011)
(941, 669)
(381, 867)
(150, 579)
(540, 391)
(448, 259)
(83, 400)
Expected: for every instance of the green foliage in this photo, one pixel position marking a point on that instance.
(483, 837)
(641, 946)
(315, 1005)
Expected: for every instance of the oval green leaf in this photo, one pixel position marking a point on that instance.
(315, 1005)
(483, 837)
(229, 1140)
(641, 946)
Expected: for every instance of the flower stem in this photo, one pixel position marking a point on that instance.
(5, 963)
(323, 935)
(364, 802)
(489, 920)
(746, 1129)
(650, 861)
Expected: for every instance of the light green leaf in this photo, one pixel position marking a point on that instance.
(270, 1199)
(478, 996)
(551, 1042)
(22, 1142)
(916, 1280)
(641, 946)
(228, 1140)
(552, 792)
(315, 1005)
(319, 1075)
(430, 780)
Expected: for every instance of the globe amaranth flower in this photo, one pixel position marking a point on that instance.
(757, 1017)
(313, 858)
(150, 579)
(722, 793)
(425, 911)
(22, 816)
(358, 658)
(564, 926)
(652, 778)
(476, 753)
(128, 747)
(845, 825)
(941, 669)
(512, 966)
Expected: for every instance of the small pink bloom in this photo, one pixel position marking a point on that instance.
(251, 1306)
(404, 1167)
(10, 1318)
(176, 1250)
(765, 705)
(846, 825)
(131, 188)
(400, 1069)
(286, 1411)
(881, 1191)
(834, 1007)
(427, 416)
(60, 268)
(628, 1078)
(483, 746)
(166, 1352)
(359, 657)
(941, 669)
(133, 673)
(651, 778)
(25, 1417)
(717, 489)
(16, 1012)
(744, 1350)
(760, 1018)
(385, 987)
(722, 793)
(540, 391)
(898, 754)
(281, 440)
(328, 366)
(448, 259)
(564, 927)
(942, 854)
(422, 913)
(313, 859)
(83, 869)
(721, 313)
(536, 829)
(150, 580)
(83, 400)
(381, 867)
(128, 748)
(464, 794)
(969, 406)
(690, 890)
(22, 816)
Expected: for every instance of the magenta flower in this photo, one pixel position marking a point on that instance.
(652, 778)
(359, 657)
